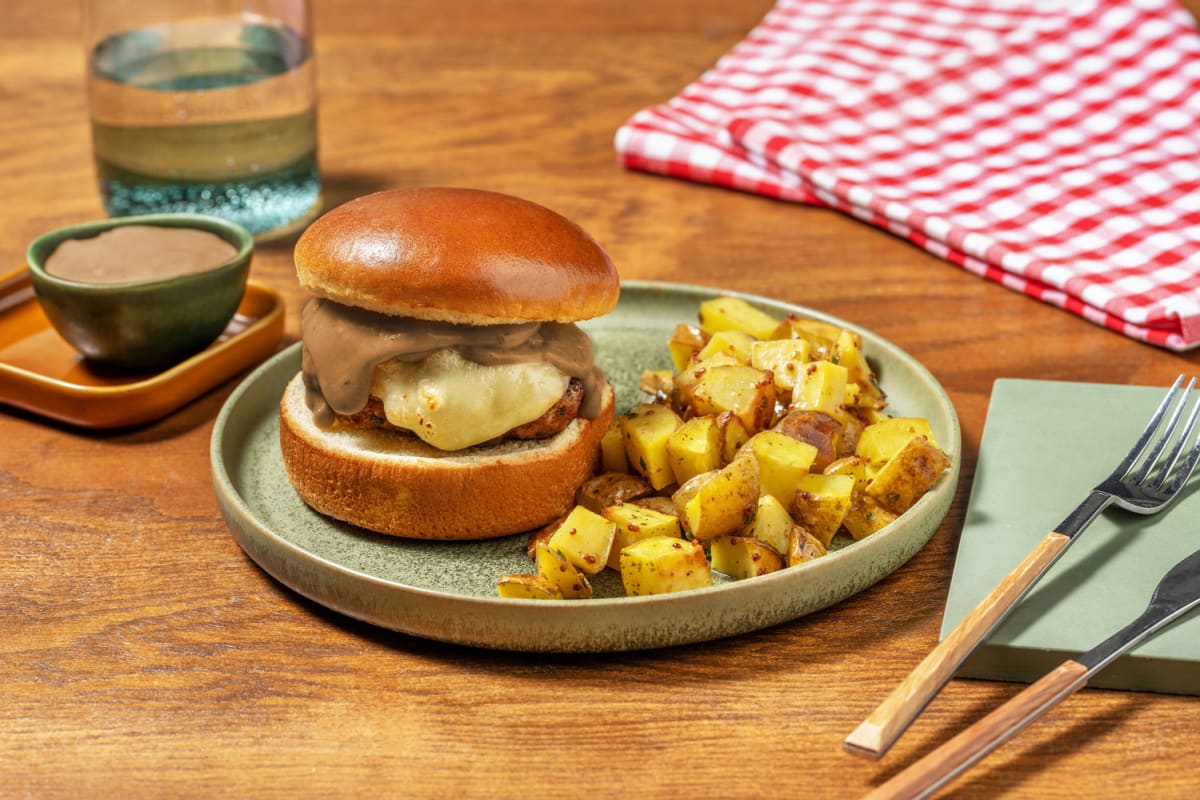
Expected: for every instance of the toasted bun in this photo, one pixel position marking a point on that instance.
(399, 485)
(456, 255)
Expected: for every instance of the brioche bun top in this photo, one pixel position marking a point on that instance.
(456, 255)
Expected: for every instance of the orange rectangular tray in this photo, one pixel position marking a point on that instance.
(41, 373)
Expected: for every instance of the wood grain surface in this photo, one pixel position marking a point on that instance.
(144, 655)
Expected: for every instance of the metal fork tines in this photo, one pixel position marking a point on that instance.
(1132, 486)
(1146, 481)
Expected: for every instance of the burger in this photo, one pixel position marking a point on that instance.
(445, 391)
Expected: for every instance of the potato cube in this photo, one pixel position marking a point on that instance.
(733, 435)
(660, 383)
(819, 335)
(771, 524)
(736, 344)
(609, 488)
(821, 386)
(634, 523)
(612, 450)
(663, 564)
(528, 587)
(848, 351)
(854, 466)
(683, 386)
(694, 447)
(725, 502)
(646, 428)
(690, 488)
(881, 440)
(785, 358)
(821, 504)
(685, 342)
(746, 391)
(585, 539)
(733, 313)
(852, 428)
(659, 503)
(907, 475)
(744, 557)
(819, 429)
(866, 516)
(782, 460)
(803, 546)
(554, 567)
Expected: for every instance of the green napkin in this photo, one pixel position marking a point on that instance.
(1045, 445)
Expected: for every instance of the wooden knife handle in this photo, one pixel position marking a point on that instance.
(975, 742)
(885, 724)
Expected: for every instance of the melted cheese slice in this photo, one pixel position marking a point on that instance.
(452, 403)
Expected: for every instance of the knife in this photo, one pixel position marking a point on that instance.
(1176, 594)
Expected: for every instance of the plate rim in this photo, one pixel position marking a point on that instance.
(231, 501)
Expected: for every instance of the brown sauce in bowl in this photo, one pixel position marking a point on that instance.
(133, 253)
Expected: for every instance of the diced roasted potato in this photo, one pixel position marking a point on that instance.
(781, 460)
(771, 524)
(854, 466)
(744, 557)
(612, 450)
(529, 587)
(585, 539)
(747, 392)
(821, 503)
(852, 428)
(688, 490)
(554, 567)
(685, 342)
(821, 386)
(664, 564)
(684, 384)
(907, 475)
(646, 428)
(803, 546)
(657, 502)
(819, 335)
(657, 382)
(817, 428)
(866, 516)
(634, 523)
(542, 535)
(733, 435)
(785, 358)
(608, 488)
(732, 313)
(694, 447)
(881, 440)
(736, 344)
(725, 502)
(849, 354)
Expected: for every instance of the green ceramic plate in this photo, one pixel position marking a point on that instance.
(446, 590)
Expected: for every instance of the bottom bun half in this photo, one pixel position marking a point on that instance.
(396, 484)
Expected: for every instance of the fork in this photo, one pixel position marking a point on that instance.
(1142, 486)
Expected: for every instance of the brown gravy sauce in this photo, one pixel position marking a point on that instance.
(138, 253)
(342, 345)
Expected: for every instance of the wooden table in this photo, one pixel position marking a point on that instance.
(144, 655)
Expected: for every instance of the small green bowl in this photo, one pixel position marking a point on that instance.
(143, 324)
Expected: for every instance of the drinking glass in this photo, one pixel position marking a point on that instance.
(205, 106)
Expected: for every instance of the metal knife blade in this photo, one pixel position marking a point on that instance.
(1177, 593)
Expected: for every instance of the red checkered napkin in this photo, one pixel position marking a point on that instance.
(1052, 146)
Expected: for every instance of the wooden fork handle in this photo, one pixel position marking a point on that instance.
(952, 757)
(885, 724)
